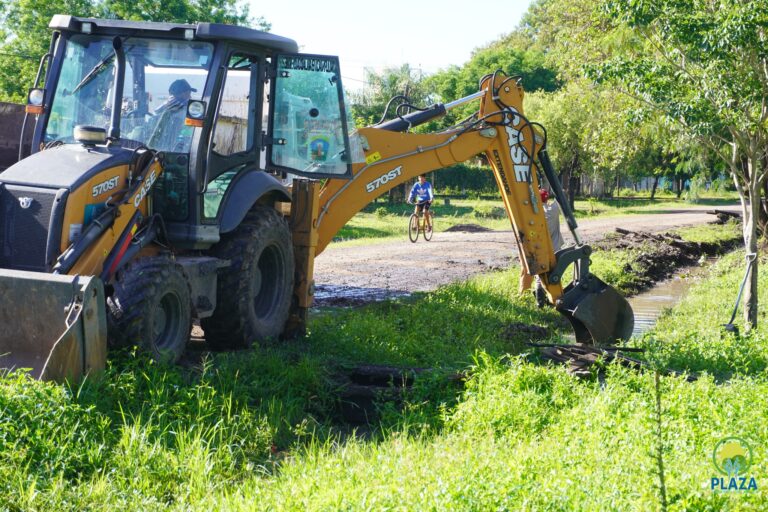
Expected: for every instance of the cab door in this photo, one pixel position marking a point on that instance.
(309, 128)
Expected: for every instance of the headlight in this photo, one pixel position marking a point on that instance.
(35, 98)
(195, 113)
(196, 109)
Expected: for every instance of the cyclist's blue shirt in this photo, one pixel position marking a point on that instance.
(422, 192)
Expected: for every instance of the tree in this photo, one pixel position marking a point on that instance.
(368, 104)
(26, 38)
(25, 35)
(566, 116)
(510, 54)
(704, 65)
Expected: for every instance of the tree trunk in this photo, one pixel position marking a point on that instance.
(565, 180)
(762, 224)
(745, 172)
(573, 187)
(750, 243)
(397, 194)
(655, 184)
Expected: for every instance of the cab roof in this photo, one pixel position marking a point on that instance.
(202, 31)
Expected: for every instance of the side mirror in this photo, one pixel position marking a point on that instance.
(195, 113)
(35, 98)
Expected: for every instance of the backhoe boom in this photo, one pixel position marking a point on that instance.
(509, 141)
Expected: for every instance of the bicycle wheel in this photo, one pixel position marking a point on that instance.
(413, 227)
(429, 228)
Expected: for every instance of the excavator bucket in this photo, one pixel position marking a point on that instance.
(598, 313)
(53, 326)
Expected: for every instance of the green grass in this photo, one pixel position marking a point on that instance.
(662, 204)
(711, 233)
(623, 270)
(257, 429)
(380, 221)
(691, 337)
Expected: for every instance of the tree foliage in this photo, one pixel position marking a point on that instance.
(368, 105)
(704, 65)
(506, 54)
(528, 63)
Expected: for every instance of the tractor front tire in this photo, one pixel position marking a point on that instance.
(151, 307)
(254, 293)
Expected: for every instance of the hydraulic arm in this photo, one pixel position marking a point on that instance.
(512, 145)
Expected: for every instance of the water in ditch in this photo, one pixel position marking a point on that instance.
(650, 304)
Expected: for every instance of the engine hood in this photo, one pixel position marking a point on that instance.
(66, 166)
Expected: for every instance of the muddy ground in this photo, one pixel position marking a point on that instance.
(354, 275)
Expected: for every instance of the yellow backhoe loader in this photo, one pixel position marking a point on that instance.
(183, 172)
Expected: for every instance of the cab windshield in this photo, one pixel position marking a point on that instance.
(161, 76)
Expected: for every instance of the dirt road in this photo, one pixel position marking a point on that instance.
(352, 275)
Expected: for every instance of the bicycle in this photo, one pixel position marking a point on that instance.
(418, 224)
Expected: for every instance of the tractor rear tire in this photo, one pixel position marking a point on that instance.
(151, 307)
(254, 293)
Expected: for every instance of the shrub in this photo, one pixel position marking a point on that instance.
(489, 212)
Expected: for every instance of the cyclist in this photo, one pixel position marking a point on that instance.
(423, 194)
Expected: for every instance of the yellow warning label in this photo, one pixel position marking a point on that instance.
(373, 157)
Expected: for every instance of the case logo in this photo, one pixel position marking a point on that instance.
(144, 189)
(25, 202)
(517, 152)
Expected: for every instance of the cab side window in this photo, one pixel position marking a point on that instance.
(235, 124)
(235, 129)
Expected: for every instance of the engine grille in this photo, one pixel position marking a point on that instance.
(25, 217)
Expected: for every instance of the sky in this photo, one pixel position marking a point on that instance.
(427, 34)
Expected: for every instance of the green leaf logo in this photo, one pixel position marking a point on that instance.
(732, 456)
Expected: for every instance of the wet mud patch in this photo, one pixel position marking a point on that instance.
(353, 296)
(656, 256)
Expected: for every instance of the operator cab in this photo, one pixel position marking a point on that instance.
(200, 94)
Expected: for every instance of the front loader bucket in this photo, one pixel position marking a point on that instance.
(52, 325)
(598, 313)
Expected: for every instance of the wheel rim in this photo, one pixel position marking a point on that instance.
(429, 229)
(166, 322)
(267, 281)
(413, 228)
